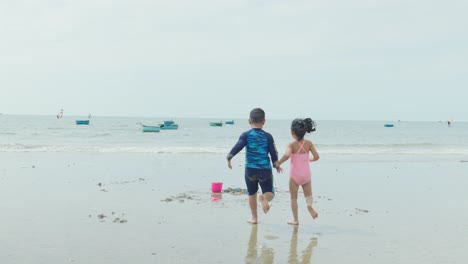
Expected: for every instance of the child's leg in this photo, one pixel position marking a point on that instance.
(307, 188)
(253, 208)
(266, 182)
(265, 199)
(293, 188)
(251, 182)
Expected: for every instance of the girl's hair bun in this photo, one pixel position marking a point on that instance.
(309, 125)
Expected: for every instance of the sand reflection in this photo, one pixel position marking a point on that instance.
(306, 254)
(215, 197)
(266, 256)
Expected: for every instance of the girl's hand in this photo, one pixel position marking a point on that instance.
(229, 164)
(279, 169)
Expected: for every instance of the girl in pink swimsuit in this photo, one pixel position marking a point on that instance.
(300, 174)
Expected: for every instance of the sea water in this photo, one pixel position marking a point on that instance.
(31, 133)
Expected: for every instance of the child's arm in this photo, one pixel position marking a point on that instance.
(314, 153)
(241, 143)
(273, 152)
(286, 155)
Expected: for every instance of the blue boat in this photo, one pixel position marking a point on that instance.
(229, 122)
(150, 128)
(169, 125)
(82, 122)
(388, 125)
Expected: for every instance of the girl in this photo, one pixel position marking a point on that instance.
(300, 174)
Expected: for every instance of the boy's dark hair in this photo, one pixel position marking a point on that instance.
(257, 115)
(301, 126)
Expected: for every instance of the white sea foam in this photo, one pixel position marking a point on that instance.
(326, 149)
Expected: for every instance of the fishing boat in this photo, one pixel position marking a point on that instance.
(229, 122)
(150, 128)
(388, 125)
(169, 125)
(220, 123)
(82, 122)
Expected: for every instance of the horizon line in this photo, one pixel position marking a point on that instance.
(230, 118)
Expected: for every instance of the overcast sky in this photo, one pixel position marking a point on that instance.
(339, 60)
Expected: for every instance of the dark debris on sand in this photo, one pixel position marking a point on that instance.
(101, 216)
(184, 196)
(180, 198)
(120, 219)
(235, 191)
(358, 210)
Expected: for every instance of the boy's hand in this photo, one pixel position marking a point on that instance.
(277, 167)
(276, 164)
(229, 164)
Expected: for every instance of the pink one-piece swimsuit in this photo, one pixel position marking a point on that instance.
(300, 169)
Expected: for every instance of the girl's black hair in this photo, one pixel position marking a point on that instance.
(301, 126)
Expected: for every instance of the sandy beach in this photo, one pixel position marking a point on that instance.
(158, 208)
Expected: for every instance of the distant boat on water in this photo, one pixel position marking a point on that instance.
(150, 128)
(388, 125)
(220, 123)
(82, 122)
(229, 122)
(169, 125)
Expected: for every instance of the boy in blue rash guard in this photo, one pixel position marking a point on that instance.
(258, 169)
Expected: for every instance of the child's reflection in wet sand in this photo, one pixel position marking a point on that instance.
(306, 254)
(266, 255)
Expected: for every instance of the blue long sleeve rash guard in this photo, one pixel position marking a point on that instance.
(258, 144)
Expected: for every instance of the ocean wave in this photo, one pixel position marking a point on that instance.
(102, 135)
(8, 133)
(416, 149)
(109, 149)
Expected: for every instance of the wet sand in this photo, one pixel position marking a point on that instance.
(158, 208)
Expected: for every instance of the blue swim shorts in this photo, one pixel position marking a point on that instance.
(262, 177)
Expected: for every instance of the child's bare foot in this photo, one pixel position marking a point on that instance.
(293, 222)
(264, 202)
(253, 221)
(312, 212)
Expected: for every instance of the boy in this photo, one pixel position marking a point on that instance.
(258, 169)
